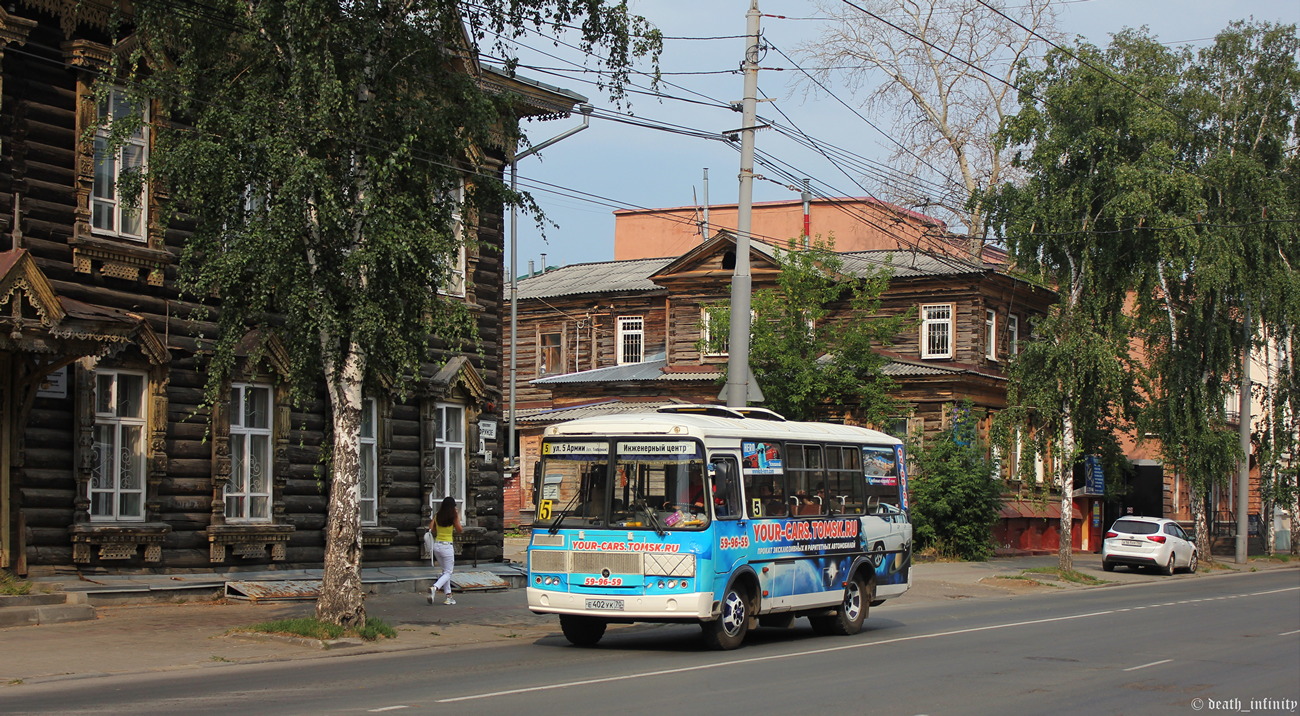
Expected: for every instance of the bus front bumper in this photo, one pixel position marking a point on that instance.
(692, 606)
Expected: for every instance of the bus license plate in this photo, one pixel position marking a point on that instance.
(615, 605)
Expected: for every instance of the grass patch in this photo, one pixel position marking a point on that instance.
(13, 586)
(312, 628)
(519, 532)
(1070, 575)
(1283, 557)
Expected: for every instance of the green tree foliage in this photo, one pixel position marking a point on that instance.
(1157, 185)
(814, 336)
(317, 149)
(954, 498)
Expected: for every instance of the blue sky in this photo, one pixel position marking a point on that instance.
(618, 165)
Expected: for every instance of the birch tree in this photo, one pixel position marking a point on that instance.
(318, 148)
(1093, 157)
(945, 71)
(1159, 184)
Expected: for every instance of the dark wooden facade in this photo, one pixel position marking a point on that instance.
(675, 290)
(75, 304)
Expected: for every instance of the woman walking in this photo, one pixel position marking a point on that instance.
(444, 526)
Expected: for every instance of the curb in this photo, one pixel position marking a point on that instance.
(321, 644)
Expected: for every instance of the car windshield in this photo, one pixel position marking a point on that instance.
(1135, 527)
(649, 484)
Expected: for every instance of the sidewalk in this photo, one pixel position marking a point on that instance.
(167, 636)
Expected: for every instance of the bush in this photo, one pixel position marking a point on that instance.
(954, 496)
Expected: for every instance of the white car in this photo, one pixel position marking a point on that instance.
(1148, 542)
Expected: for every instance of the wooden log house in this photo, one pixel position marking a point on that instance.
(969, 318)
(109, 458)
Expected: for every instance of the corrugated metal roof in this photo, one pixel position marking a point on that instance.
(649, 369)
(574, 412)
(902, 369)
(908, 264)
(597, 277)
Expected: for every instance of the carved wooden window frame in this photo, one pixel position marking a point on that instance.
(368, 456)
(120, 539)
(118, 423)
(248, 539)
(246, 435)
(93, 251)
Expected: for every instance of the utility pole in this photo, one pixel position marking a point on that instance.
(585, 109)
(1243, 432)
(806, 195)
(738, 375)
(704, 233)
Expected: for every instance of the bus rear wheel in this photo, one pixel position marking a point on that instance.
(582, 631)
(729, 629)
(858, 596)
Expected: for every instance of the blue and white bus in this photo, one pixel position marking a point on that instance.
(731, 518)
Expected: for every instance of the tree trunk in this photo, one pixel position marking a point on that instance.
(1066, 482)
(341, 601)
(1200, 524)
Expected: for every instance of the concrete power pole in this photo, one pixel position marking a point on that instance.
(738, 375)
(1243, 432)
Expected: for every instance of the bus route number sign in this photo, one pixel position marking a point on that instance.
(544, 509)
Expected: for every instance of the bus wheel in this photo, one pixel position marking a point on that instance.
(728, 630)
(582, 631)
(848, 620)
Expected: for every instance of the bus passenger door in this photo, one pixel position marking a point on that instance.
(730, 527)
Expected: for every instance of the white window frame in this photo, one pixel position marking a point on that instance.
(112, 454)
(109, 214)
(449, 453)
(458, 277)
(706, 333)
(930, 327)
(990, 334)
(630, 328)
(242, 457)
(1013, 334)
(368, 463)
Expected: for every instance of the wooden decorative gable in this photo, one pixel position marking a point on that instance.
(26, 297)
(35, 319)
(715, 260)
(459, 374)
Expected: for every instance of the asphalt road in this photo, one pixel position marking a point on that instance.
(1222, 643)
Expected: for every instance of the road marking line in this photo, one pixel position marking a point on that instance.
(795, 655)
(388, 708)
(1289, 633)
(1154, 663)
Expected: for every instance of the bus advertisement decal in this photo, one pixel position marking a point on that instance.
(760, 458)
(902, 475)
(813, 536)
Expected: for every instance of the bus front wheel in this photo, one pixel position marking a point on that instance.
(858, 596)
(582, 631)
(729, 629)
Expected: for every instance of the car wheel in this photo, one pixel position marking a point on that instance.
(1169, 567)
(728, 630)
(582, 631)
(858, 596)
(1107, 566)
(1191, 563)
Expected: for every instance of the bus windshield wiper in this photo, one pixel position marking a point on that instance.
(653, 519)
(555, 524)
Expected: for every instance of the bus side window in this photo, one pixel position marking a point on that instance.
(727, 498)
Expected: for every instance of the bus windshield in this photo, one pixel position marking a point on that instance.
(630, 484)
